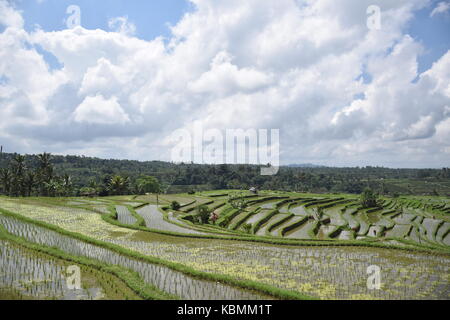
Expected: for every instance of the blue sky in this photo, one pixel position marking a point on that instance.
(433, 33)
(150, 17)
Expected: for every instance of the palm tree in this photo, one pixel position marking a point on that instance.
(118, 185)
(44, 160)
(30, 181)
(45, 173)
(5, 180)
(51, 188)
(18, 186)
(67, 184)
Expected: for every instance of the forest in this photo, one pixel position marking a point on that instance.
(56, 175)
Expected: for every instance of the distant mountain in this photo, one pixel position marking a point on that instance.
(305, 165)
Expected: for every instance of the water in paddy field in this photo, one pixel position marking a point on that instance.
(269, 205)
(124, 215)
(29, 275)
(302, 232)
(276, 218)
(154, 220)
(324, 272)
(133, 204)
(329, 272)
(172, 282)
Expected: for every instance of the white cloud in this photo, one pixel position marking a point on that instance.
(9, 17)
(340, 93)
(225, 78)
(98, 110)
(441, 7)
(122, 25)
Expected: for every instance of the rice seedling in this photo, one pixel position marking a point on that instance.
(303, 231)
(124, 215)
(272, 221)
(34, 275)
(330, 272)
(167, 280)
(154, 219)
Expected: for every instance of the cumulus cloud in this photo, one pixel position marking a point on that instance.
(441, 7)
(340, 93)
(122, 25)
(98, 110)
(9, 17)
(225, 78)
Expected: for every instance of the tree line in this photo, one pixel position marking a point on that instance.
(19, 179)
(77, 175)
(25, 176)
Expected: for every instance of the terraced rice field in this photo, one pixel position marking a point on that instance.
(303, 231)
(162, 277)
(264, 230)
(299, 243)
(25, 274)
(299, 211)
(124, 215)
(154, 220)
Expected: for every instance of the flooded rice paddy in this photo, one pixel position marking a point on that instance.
(124, 215)
(324, 272)
(172, 282)
(154, 220)
(26, 274)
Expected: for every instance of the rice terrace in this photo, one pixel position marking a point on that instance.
(223, 244)
(195, 155)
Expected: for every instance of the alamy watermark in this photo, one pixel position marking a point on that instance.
(374, 279)
(73, 278)
(374, 17)
(74, 19)
(230, 146)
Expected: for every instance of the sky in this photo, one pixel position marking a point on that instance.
(342, 87)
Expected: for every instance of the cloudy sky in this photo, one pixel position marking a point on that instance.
(133, 72)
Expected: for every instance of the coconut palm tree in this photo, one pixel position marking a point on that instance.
(5, 180)
(44, 173)
(30, 181)
(118, 185)
(51, 188)
(67, 184)
(18, 186)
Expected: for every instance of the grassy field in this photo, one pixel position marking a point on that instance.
(274, 245)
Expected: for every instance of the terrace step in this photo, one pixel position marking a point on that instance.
(275, 219)
(154, 219)
(351, 221)
(124, 215)
(303, 231)
(431, 226)
(325, 231)
(399, 231)
(277, 231)
(346, 235)
(256, 217)
(363, 224)
(443, 230)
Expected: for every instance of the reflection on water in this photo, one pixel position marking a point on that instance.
(33, 276)
(167, 280)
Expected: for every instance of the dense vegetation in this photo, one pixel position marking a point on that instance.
(36, 176)
(73, 175)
